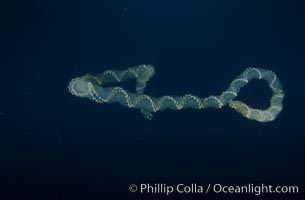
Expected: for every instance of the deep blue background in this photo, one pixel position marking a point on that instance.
(56, 145)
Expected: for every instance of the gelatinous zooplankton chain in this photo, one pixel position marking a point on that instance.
(94, 88)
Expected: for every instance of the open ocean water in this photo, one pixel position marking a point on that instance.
(54, 145)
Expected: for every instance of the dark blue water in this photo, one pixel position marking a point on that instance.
(57, 146)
